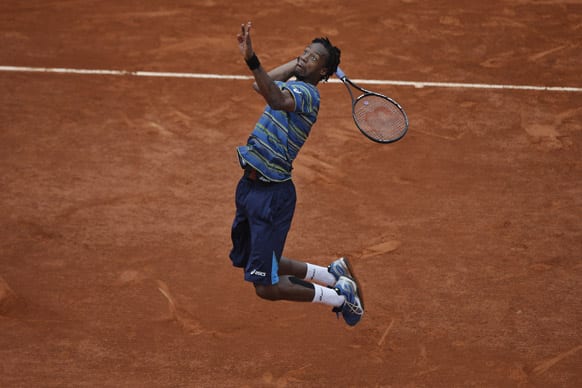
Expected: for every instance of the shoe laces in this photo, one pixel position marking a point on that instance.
(354, 308)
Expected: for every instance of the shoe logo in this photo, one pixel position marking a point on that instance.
(258, 273)
(297, 91)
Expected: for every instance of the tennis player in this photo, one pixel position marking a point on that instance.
(265, 195)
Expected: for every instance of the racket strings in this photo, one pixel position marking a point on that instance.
(380, 118)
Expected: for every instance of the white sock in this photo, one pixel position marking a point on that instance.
(317, 273)
(328, 296)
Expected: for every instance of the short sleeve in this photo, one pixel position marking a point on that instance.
(306, 96)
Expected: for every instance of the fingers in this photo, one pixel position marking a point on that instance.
(244, 39)
(245, 29)
(243, 35)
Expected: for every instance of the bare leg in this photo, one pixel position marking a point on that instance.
(299, 291)
(292, 267)
(300, 269)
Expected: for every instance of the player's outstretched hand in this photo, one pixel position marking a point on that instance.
(244, 40)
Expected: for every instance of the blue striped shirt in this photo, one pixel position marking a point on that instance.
(278, 135)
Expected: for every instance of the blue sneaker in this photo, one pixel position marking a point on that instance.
(352, 309)
(340, 267)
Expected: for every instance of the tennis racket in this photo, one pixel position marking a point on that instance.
(378, 117)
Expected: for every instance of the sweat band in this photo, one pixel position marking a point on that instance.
(253, 62)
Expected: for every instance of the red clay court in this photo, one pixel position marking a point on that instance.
(117, 196)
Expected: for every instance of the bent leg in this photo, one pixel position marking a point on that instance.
(287, 288)
(306, 271)
(292, 267)
(293, 289)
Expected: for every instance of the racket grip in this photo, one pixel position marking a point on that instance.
(339, 73)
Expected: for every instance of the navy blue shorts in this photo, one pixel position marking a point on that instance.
(264, 212)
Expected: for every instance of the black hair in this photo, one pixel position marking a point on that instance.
(333, 59)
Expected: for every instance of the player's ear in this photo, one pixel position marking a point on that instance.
(323, 72)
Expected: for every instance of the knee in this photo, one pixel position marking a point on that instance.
(267, 292)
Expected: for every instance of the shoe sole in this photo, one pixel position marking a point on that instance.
(355, 279)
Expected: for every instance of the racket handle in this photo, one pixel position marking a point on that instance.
(339, 73)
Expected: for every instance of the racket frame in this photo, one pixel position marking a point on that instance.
(347, 82)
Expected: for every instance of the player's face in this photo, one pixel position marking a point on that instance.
(311, 64)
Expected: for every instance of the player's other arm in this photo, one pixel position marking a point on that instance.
(265, 82)
(280, 73)
(265, 85)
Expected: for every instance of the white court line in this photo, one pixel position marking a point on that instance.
(246, 77)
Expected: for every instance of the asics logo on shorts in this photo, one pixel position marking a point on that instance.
(258, 273)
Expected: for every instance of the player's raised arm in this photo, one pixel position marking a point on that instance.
(265, 85)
